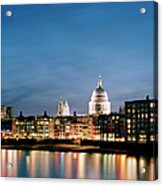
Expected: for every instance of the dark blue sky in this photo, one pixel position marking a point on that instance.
(50, 51)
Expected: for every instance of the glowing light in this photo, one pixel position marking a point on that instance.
(128, 121)
(131, 165)
(128, 110)
(129, 126)
(129, 131)
(122, 139)
(133, 111)
(81, 165)
(151, 120)
(151, 105)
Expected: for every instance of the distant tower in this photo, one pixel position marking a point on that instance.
(60, 107)
(99, 103)
(66, 109)
(63, 109)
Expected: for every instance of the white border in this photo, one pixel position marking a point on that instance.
(42, 182)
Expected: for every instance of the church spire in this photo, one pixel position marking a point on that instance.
(63, 108)
(60, 107)
(99, 84)
(66, 109)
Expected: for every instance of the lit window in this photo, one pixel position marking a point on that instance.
(146, 115)
(151, 120)
(151, 138)
(129, 126)
(152, 114)
(129, 131)
(128, 110)
(113, 117)
(128, 121)
(133, 111)
(67, 127)
(142, 115)
(122, 139)
(142, 136)
(133, 139)
(151, 105)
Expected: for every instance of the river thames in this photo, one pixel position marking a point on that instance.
(73, 165)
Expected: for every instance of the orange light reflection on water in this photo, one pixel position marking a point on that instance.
(76, 165)
(121, 166)
(131, 168)
(68, 165)
(81, 163)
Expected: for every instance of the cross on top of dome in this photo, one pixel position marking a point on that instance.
(99, 84)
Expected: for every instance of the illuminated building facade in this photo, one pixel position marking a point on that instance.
(7, 120)
(136, 123)
(99, 103)
(24, 127)
(141, 120)
(32, 127)
(96, 128)
(72, 127)
(44, 127)
(112, 127)
(7, 127)
(7, 111)
(3, 111)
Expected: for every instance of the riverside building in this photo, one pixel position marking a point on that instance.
(141, 118)
(33, 127)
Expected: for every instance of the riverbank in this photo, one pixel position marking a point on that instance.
(63, 148)
(84, 146)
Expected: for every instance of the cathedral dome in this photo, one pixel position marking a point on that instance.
(99, 94)
(99, 103)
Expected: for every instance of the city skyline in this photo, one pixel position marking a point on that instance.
(61, 53)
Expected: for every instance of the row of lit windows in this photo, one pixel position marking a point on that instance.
(31, 123)
(129, 131)
(140, 105)
(133, 120)
(43, 122)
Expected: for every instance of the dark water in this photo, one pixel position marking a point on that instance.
(76, 165)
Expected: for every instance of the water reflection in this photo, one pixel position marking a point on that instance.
(76, 165)
(132, 168)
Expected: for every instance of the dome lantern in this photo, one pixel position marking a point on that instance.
(99, 84)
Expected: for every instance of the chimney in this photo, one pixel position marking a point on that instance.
(45, 113)
(21, 114)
